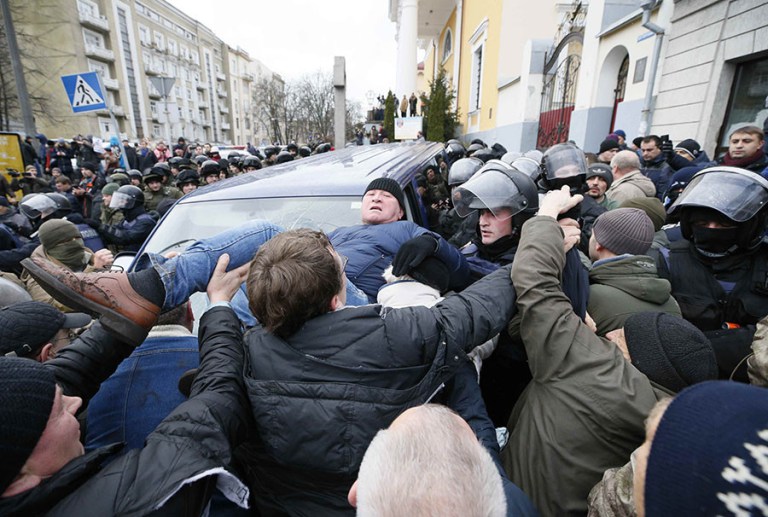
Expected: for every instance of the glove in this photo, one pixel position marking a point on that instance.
(93, 223)
(413, 253)
(667, 149)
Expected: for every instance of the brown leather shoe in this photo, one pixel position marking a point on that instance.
(122, 309)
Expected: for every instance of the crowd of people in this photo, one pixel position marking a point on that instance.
(574, 333)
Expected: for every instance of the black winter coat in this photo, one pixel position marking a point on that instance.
(192, 441)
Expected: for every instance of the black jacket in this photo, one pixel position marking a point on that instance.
(193, 440)
(320, 396)
(128, 235)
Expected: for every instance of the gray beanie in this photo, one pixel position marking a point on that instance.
(669, 350)
(27, 390)
(624, 230)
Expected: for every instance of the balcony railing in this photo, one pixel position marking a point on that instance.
(99, 53)
(110, 82)
(223, 108)
(152, 69)
(97, 22)
(225, 126)
(248, 76)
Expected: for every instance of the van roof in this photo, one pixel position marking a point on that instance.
(344, 172)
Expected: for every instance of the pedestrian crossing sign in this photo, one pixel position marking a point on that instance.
(84, 91)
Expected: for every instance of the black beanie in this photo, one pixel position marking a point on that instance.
(388, 185)
(669, 350)
(607, 145)
(27, 390)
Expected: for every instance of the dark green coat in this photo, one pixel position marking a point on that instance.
(623, 287)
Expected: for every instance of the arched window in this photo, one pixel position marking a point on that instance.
(447, 44)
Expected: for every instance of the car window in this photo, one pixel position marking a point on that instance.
(188, 222)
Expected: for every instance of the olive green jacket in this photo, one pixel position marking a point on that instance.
(585, 408)
(625, 286)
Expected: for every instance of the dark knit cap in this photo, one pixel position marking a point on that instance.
(602, 170)
(682, 177)
(90, 166)
(109, 189)
(388, 185)
(56, 231)
(432, 272)
(27, 326)
(669, 350)
(27, 391)
(690, 146)
(652, 207)
(607, 145)
(708, 454)
(621, 133)
(624, 230)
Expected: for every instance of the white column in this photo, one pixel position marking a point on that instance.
(406, 49)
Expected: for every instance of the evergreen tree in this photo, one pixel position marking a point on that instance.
(389, 115)
(441, 119)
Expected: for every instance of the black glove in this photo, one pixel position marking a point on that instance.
(93, 223)
(413, 253)
(667, 149)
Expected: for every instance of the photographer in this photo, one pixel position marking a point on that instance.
(29, 183)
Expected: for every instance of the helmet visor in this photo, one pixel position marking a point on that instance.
(492, 190)
(564, 161)
(528, 166)
(121, 200)
(38, 206)
(733, 194)
(462, 170)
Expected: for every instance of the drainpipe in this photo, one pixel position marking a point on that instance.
(646, 116)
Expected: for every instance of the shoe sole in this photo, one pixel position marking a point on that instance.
(111, 320)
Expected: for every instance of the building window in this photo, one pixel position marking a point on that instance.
(159, 41)
(144, 36)
(748, 105)
(477, 42)
(105, 125)
(447, 44)
(93, 39)
(172, 47)
(153, 107)
(101, 68)
(87, 8)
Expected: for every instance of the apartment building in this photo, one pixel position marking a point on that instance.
(164, 73)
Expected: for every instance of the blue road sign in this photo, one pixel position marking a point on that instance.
(84, 92)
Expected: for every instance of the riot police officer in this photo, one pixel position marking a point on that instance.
(456, 229)
(129, 234)
(156, 186)
(719, 270)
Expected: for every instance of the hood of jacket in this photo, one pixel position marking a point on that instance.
(636, 276)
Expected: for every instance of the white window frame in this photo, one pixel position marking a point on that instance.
(88, 8)
(173, 48)
(145, 36)
(91, 34)
(447, 38)
(159, 40)
(477, 64)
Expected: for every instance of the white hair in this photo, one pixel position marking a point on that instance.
(626, 161)
(429, 464)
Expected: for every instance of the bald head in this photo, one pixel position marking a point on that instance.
(623, 163)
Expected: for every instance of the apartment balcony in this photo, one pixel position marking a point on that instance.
(223, 108)
(206, 122)
(222, 93)
(220, 76)
(152, 69)
(118, 110)
(101, 53)
(201, 86)
(155, 116)
(197, 121)
(249, 77)
(110, 83)
(225, 126)
(153, 93)
(203, 106)
(98, 22)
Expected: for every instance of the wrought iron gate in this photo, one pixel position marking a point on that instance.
(557, 100)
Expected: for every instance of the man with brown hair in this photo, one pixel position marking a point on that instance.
(313, 365)
(745, 150)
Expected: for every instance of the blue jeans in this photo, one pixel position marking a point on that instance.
(190, 272)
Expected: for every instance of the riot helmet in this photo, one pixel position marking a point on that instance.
(304, 151)
(284, 156)
(510, 157)
(209, 167)
(323, 148)
(501, 189)
(528, 166)
(292, 148)
(158, 172)
(463, 170)
(563, 164)
(200, 159)
(175, 162)
(485, 154)
(473, 148)
(134, 173)
(187, 176)
(733, 197)
(126, 197)
(270, 151)
(39, 207)
(250, 163)
(454, 151)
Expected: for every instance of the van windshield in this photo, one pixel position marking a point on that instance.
(189, 222)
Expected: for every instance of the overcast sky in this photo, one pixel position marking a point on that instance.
(294, 37)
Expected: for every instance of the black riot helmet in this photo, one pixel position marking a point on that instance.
(284, 156)
(209, 167)
(126, 197)
(292, 148)
(454, 151)
(158, 171)
(563, 164)
(305, 151)
(528, 166)
(463, 170)
(250, 163)
(187, 176)
(503, 190)
(40, 207)
(732, 196)
(473, 148)
(271, 150)
(175, 162)
(485, 154)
